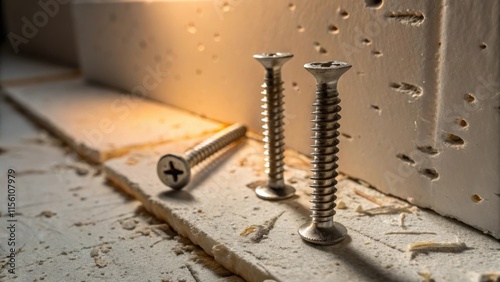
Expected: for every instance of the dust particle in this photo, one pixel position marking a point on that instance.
(256, 184)
(128, 224)
(94, 252)
(178, 251)
(100, 262)
(47, 214)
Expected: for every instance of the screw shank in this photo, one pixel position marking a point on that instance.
(215, 143)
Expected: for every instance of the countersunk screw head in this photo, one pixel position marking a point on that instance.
(266, 192)
(312, 232)
(273, 60)
(323, 71)
(174, 171)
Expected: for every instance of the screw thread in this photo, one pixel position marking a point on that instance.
(215, 143)
(273, 127)
(325, 136)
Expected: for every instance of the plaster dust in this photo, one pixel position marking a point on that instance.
(116, 124)
(219, 212)
(71, 226)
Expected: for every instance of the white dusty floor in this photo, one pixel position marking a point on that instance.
(72, 223)
(72, 226)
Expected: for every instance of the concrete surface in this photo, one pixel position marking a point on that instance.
(72, 226)
(220, 212)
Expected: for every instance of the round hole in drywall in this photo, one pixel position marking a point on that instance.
(344, 14)
(462, 122)
(374, 4)
(476, 198)
(292, 7)
(483, 46)
(333, 29)
(469, 98)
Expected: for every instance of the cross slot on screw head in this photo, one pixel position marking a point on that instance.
(175, 170)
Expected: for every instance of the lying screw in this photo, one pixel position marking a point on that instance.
(322, 230)
(275, 189)
(175, 170)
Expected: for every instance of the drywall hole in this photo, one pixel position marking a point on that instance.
(377, 53)
(405, 159)
(374, 4)
(292, 7)
(430, 173)
(191, 28)
(344, 14)
(217, 37)
(201, 47)
(462, 122)
(470, 98)
(319, 49)
(2, 151)
(199, 72)
(376, 109)
(199, 12)
(476, 198)
(412, 18)
(366, 41)
(300, 28)
(412, 90)
(226, 7)
(346, 136)
(333, 29)
(454, 140)
(427, 150)
(295, 86)
(483, 46)
(215, 58)
(360, 73)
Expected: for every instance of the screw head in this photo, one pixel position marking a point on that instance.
(327, 72)
(314, 233)
(273, 60)
(274, 194)
(174, 171)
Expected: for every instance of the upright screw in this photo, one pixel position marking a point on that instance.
(275, 189)
(322, 230)
(175, 170)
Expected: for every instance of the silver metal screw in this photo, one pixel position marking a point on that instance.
(322, 230)
(175, 170)
(275, 189)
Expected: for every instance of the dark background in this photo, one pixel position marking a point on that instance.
(2, 31)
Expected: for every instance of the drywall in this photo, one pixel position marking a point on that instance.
(413, 62)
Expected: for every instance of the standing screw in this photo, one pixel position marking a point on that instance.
(175, 170)
(322, 230)
(275, 189)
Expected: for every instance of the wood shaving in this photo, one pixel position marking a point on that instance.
(402, 217)
(385, 210)
(410, 233)
(427, 246)
(368, 197)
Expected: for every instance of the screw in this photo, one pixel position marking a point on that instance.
(175, 170)
(322, 230)
(275, 189)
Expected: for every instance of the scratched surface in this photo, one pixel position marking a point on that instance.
(71, 226)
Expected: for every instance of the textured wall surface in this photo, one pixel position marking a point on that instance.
(420, 118)
(41, 28)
